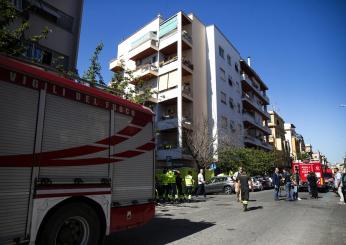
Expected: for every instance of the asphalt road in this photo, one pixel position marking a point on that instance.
(220, 220)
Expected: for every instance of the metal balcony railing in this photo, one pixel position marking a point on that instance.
(186, 36)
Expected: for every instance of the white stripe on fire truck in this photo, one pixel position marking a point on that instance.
(58, 191)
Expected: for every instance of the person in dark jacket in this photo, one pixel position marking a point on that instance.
(288, 185)
(313, 185)
(276, 183)
(178, 182)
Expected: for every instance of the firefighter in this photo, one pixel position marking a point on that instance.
(165, 189)
(171, 184)
(245, 187)
(189, 183)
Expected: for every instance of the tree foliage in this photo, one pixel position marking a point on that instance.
(127, 86)
(93, 74)
(255, 162)
(303, 156)
(12, 38)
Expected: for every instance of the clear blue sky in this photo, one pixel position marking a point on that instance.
(297, 47)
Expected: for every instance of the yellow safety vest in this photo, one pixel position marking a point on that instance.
(170, 177)
(188, 180)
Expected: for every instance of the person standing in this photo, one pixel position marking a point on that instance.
(245, 185)
(189, 183)
(171, 184)
(276, 183)
(237, 184)
(343, 185)
(295, 180)
(201, 182)
(288, 184)
(338, 185)
(313, 185)
(179, 183)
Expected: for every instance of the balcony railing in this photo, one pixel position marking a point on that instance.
(186, 36)
(244, 77)
(187, 63)
(149, 36)
(168, 61)
(186, 89)
(255, 104)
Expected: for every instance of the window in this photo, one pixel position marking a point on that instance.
(238, 107)
(232, 126)
(229, 60)
(230, 82)
(222, 74)
(154, 59)
(221, 52)
(231, 103)
(236, 67)
(223, 97)
(224, 122)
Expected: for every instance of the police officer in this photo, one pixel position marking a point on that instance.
(171, 184)
(189, 183)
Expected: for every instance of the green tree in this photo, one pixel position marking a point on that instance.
(256, 162)
(12, 38)
(127, 86)
(303, 156)
(93, 74)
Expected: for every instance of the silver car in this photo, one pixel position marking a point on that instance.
(219, 184)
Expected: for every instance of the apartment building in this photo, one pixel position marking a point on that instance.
(296, 141)
(278, 141)
(255, 102)
(170, 56)
(196, 72)
(224, 89)
(63, 19)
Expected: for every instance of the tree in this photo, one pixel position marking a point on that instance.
(93, 74)
(200, 143)
(127, 86)
(255, 162)
(303, 156)
(12, 38)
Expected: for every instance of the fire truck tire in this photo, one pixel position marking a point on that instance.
(73, 223)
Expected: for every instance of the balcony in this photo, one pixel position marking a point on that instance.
(116, 65)
(145, 72)
(187, 40)
(174, 153)
(167, 122)
(187, 66)
(187, 92)
(248, 118)
(143, 46)
(248, 84)
(247, 99)
(257, 142)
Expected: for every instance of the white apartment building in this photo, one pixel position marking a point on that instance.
(224, 89)
(195, 71)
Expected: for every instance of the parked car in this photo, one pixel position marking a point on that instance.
(267, 182)
(256, 183)
(220, 184)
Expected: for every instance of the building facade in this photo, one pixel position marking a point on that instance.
(255, 114)
(277, 139)
(63, 19)
(196, 74)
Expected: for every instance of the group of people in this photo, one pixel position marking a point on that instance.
(291, 184)
(169, 186)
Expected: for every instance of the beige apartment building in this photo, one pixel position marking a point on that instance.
(63, 19)
(278, 141)
(296, 141)
(255, 102)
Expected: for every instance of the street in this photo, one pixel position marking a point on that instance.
(220, 220)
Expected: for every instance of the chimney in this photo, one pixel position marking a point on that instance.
(249, 61)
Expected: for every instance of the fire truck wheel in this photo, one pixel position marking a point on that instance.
(71, 224)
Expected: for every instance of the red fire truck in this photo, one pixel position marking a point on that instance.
(76, 163)
(307, 167)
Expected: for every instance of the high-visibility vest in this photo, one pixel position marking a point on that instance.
(188, 180)
(164, 179)
(170, 177)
